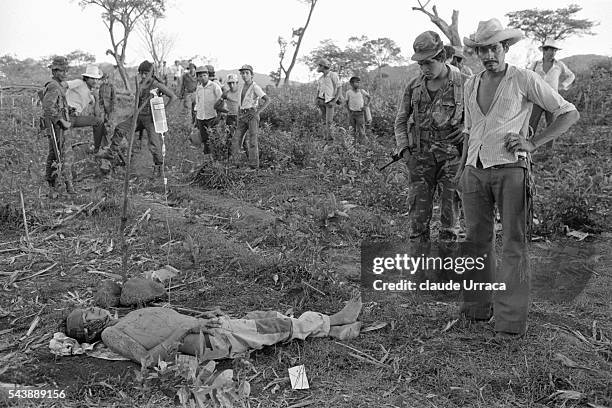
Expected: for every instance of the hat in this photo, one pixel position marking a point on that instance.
(92, 71)
(210, 68)
(145, 66)
(324, 62)
(426, 46)
(246, 67)
(458, 51)
(59, 63)
(550, 44)
(490, 32)
(231, 78)
(201, 68)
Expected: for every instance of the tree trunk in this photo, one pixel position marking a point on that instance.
(313, 3)
(450, 31)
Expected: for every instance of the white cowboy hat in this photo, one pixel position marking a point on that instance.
(93, 71)
(550, 44)
(490, 32)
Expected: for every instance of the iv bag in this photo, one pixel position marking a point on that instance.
(159, 113)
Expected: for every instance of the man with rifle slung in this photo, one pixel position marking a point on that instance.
(57, 123)
(428, 134)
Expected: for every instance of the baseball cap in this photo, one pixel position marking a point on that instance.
(231, 78)
(246, 67)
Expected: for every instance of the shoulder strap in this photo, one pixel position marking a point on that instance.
(456, 80)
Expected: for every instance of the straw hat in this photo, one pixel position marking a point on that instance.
(92, 71)
(490, 32)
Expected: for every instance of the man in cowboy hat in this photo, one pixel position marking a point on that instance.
(498, 103)
(82, 97)
(328, 92)
(249, 109)
(428, 135)
(551, 70)
(55, 115)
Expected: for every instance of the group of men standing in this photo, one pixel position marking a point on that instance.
(472, 134)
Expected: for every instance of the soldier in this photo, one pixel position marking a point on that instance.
(55, 114)
(428, 135)
(107, 98)
(148, 82)
(189, 83)
(498, 102)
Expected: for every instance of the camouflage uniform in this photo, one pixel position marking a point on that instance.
(435, 162)
(55, 108)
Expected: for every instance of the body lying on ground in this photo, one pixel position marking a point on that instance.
(147, 335)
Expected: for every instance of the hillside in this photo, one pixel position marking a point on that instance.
(581, 63)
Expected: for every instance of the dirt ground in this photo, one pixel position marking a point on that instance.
(278, 239)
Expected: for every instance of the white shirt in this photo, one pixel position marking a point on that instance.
(79, 96)
(251, 97)
(355, 99)
(206, 97)
(327, 85)
(509, 113)
(555, 72)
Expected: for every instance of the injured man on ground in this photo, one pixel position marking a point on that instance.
(147, 335)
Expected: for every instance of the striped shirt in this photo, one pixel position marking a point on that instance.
(555, 72)
(509, 113)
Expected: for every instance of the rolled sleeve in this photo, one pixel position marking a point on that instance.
(401, 120)
(570, 77)
(540, 93)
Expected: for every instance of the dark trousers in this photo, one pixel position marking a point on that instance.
(143, 122)
(357, 122)
(205, 126)
(97, 124)
(64, 146)
(481, 189)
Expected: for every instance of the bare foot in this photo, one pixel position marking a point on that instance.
(346, 332)
(348, 314)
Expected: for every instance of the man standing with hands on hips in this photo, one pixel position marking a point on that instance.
(498, 103)
(248, 116)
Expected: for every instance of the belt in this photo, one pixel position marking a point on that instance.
(359, 111)
(246, 110)
(521, 162)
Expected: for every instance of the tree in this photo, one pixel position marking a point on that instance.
(120, 18)
(383, 52)
(450, 31)
(296, 40)
(356, 58)
(558, 24)
(78, 58)
(158, 43)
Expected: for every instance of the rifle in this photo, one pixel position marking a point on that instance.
(396, 156)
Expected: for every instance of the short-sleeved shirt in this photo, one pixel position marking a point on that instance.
(356, 99)
(327, 85)
(509, 113)
(251, 96)
(79, 96)
(556, 71)
(206, 97)
(232, 100)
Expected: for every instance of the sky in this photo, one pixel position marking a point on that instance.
(239, 32)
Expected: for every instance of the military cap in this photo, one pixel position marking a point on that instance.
(426, 46)
(59, 62)
(246, 67)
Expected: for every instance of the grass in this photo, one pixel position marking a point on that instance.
(278, 239)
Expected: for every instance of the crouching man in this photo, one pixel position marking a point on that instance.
(147, 335)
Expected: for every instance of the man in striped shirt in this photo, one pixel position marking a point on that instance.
(498, 103)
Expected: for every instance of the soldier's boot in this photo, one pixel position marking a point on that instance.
(70, 187)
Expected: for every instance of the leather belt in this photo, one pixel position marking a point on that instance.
(521, 162)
